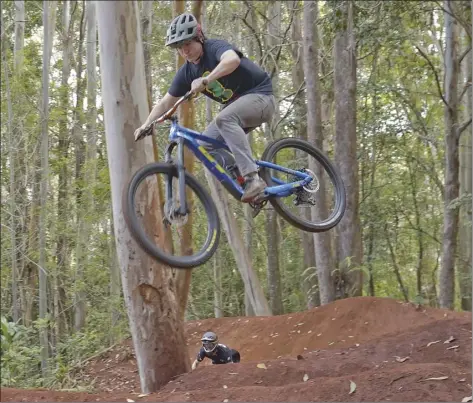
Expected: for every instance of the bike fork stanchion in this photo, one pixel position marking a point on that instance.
(168, 179)
(181, 172)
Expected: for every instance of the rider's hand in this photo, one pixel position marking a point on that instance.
(198, 85)
(141, 132)
(194, 365)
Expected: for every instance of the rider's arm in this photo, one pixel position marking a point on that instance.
(161, 107)
(200, 356)
(229, 61)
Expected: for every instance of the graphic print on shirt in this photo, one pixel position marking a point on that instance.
(218, 90)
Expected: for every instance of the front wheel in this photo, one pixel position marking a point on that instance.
(320, 205)
(187, 240)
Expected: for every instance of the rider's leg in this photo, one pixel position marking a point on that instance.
(247, 111)
(235, 356)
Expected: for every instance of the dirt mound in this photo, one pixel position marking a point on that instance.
(390, 350)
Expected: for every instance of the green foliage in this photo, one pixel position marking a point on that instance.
(20, 355)
(400, 153)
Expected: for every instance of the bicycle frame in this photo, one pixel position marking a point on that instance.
(181, 137)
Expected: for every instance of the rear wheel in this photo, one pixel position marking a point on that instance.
(198, 230)
(318, 206)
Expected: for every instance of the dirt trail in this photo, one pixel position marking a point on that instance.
(379, 344)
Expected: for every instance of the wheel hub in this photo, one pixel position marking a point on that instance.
(172, 215)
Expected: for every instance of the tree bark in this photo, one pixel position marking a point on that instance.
(253, 288)
(147, 28)
(248, 223)
(43, 298)
(187, 118)
(63, 213)
(272, 230)
(217, 267)
(309, 276)
(19, 35)
(465, 236)
(80, 306)
(349, 244)
(148, 287)
(12, 166)
(323, 251)
(114, 281)
(450, 221)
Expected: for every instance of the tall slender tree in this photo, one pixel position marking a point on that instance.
(452, 136)
(349, 246)
(323, 250)
(48, 33)
(148, 288)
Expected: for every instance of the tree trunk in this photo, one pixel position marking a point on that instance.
(250, 279)
(186, 117)
(79, 151)
(309, 276)
(17, 187)
(147, 28)
(217, 267)
(450, 221)
(30, 274)
(371, 163)
(47, 45)
(19, 34)
(272, 230)
(349, 246)
(148, 288)
(248, 220)
(91, 53)
(395, 265)
(115, 299)
(323, 251)
(465, 236)
(218, 292)
(63, 213)
(12, 166)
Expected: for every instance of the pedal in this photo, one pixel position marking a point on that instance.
(257, 207)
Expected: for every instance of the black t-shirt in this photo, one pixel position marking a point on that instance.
(221, 355)
(247, 78)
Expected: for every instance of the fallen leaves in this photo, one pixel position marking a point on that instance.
(261, 365)
(438, 378)
(449, 340)
(466, 399)
(305, 378)
(452, 347)
(129, 400)
(433, 342)
(352, 387)
(399, 359)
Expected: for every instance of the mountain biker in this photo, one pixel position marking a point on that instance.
(218, 353)
(224, 74)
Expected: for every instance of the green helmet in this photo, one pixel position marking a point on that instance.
(184, 27)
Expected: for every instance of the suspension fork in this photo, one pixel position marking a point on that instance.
(181, 175)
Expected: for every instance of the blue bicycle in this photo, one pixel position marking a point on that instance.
(304, 187)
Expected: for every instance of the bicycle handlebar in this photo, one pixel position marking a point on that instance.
(167, 115)
(148, 130)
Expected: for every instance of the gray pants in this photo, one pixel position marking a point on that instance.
(247, 111)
